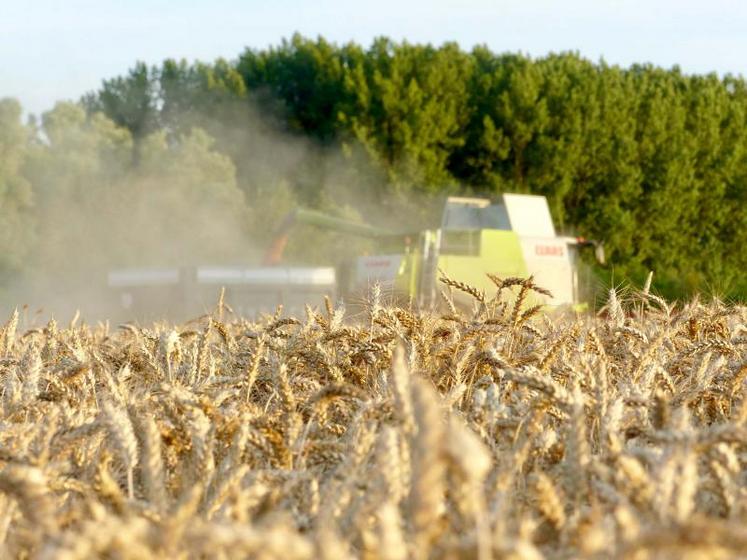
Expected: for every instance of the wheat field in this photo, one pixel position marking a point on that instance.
(496, 432)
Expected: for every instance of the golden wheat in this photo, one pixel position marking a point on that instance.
(502, 433)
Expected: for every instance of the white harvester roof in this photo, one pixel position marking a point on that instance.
(527, 215)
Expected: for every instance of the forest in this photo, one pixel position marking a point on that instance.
(196, 160)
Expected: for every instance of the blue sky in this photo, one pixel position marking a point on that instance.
(52, 49)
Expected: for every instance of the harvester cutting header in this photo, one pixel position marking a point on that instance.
(513, 236)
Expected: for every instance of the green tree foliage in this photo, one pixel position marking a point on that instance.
(130, 101)
(16, 200)
(198, 91)
(95, 209)
(303, 79)
(75, 173)
(188, 208)
(651, 161)
(409, 109)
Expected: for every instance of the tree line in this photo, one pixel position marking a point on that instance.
(652, 161)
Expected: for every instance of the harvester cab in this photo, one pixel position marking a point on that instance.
(513, 236)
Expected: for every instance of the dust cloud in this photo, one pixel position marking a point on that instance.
(194, 193)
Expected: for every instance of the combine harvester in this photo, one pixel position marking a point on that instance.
(514, 236)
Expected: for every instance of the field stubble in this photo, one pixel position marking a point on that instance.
(500, 432)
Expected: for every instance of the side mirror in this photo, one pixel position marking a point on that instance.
(598, 247)
(599, 251)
